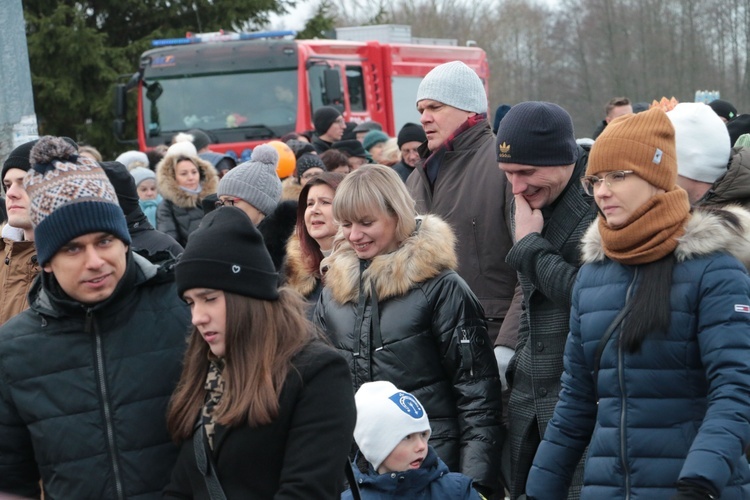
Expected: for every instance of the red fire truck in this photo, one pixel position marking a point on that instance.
(249, 88)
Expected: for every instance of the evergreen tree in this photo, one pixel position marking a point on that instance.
(78, 49)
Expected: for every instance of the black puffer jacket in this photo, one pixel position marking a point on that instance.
(425, 332)
(83, 392)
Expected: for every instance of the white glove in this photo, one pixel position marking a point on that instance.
(503, 356)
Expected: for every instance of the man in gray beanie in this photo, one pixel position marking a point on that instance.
(457, 178)
(253, 187)
(537, 151)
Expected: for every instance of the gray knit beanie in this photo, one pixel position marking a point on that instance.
(255, 181)
(454, 84)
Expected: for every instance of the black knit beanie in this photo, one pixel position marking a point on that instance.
(19, 158)
(240, 264)
(308, 161)
(324, 118)
(740, 125)
(539, 134)
(724, 109)
(410, 132)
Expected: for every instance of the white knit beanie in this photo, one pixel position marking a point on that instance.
(454, 84)
(385, 416)
(133, 159)
(702, 142)
(255, 181)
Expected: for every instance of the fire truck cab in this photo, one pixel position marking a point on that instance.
(249, 88)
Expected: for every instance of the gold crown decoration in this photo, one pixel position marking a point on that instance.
(665, 104)
(504, 149)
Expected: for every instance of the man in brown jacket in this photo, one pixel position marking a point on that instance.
(458, 180)
(19, 266)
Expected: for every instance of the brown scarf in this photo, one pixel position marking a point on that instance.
(652, 231)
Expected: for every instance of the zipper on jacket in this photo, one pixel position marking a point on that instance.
(105, 403)
(467, 358)
(621, 378)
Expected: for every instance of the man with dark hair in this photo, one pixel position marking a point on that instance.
(537, 151)
(329, 127)
(410, 137)
(87, 371)
(617, 106)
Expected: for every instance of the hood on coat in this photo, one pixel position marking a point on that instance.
(709, 230)
(422, 256)
(290, 189)
(170, 190)
(297, 276)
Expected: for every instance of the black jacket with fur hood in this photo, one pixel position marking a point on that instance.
(180, 213)
(423, 330)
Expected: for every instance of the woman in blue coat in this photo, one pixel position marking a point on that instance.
(661, 393)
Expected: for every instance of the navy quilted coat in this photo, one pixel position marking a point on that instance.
(679, 409)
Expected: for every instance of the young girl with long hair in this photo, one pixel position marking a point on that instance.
(272, 406)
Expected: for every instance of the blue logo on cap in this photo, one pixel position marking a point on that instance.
(408, 404)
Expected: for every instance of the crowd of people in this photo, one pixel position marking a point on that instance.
(472, 309)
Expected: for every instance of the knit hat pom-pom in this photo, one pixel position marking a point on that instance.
(50, 148)
(265, 154)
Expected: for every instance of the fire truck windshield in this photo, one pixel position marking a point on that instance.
(254, 104)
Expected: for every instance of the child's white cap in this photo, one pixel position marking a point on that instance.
(385, 416)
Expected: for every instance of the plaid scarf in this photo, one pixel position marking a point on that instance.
(214, 390)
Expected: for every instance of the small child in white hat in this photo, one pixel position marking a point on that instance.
(392, 433)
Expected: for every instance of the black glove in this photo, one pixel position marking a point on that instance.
(686, 491)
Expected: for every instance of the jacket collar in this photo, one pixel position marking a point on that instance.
(709, 230)
(415, 479)
(47, 298)
(422, 256)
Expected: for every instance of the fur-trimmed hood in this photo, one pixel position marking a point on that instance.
(297, 276)
(169, 189)
(708, 230)
(422, 256)
(290, 189)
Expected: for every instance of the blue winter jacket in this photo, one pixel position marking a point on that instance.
(678, 409)
(431, 481)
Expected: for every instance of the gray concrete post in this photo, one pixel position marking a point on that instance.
(17, 117)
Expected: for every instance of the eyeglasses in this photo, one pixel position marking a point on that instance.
(590, 182)
(309, 175)
(223, 203)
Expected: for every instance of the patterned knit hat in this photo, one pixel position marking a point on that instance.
(454, 84)
(70, 196)
(643, 143)
(255, 181)
(536, 133)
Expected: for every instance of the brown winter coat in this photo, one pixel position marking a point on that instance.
(17, 273)
(290, 189)
(472, 195)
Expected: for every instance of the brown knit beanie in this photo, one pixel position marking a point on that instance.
(642, 142)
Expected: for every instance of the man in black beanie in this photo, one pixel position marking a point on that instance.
(17, 245)
(537, 151)
(329, 128)
(410, 137)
